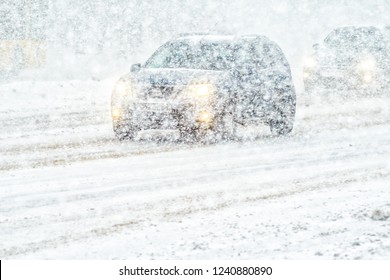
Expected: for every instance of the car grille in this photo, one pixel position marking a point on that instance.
(162, 92)
(338, 62)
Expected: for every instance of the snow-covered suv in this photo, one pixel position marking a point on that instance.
(349, 58)
(206, 85)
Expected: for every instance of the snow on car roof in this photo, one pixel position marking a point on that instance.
(217, 38)
(208, 37)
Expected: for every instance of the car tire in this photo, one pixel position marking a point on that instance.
(124, 130)
(192, 134)
(224, 129)
(284, 115)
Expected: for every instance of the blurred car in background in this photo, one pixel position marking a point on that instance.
(350, 58)
(205, 85)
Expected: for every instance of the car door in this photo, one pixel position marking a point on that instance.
(272, 78)
(248, 76)
(265, 67)
(278, 86)
(386, 57)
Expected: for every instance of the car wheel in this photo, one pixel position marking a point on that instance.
(224, 128)
(124, 130)
(308, 87)
(283, 120)
(191, 134)
(280, 128)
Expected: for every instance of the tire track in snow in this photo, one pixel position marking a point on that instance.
(310, 121)
(152, 213)
(211, 174)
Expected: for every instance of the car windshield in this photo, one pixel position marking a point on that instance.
(354, 38)
(200, 55)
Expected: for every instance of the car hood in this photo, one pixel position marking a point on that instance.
(347, 57)
(166, 77)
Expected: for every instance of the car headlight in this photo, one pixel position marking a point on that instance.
(116, 113)
(122, 94)
(124, 91)
(205, 117)
(200, 91)
(121, 88)
(367, 64)
(306, 75)
(309, 62)
(367, 78)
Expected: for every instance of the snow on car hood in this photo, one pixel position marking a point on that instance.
(335, 57)
(342, 57)
(165, 76)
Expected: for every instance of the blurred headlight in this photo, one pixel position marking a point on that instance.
(116, 113)
(124, 91)
(367, 78)
(367, 64)
(309, 62)
(122, 95)
(205, 117)
(200, 91)
(121, 88)
(306, 75)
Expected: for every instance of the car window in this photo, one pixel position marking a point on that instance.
(355, 39)
(170, 56)
(244, 54)
(199, 55)
(216, 55)
(268, 56)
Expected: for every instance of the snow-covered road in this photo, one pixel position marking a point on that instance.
(69, 190)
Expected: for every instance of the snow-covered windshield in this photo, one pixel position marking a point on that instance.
(354, 39)
(202, 55)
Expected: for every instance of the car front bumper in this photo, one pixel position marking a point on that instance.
(163, 115)
(339, 79)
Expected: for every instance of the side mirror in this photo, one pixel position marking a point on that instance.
(135, 67)
(316, 46)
